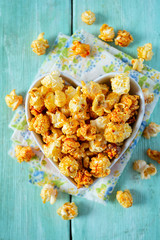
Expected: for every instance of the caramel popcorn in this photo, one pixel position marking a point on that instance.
(120, 114)
(52, 136)
(99, 166)
(81, 49)
(60, 98)
(148, 97)
(106, 33)
(137, 64)
(153, 154)
(100, 122)
(117, 133)
(123, 38)
(68, 166)
(36, 101)
(91, 89)
(83, 178)
(124, 198)
(13, 100)
(121, 83)
(88, 17)
(70, 126)
(40, 45)
(53, 150)
(41, 124)
(57, 119)
(49, 194)
(68, 211)
(145, 169)
(49, 102)
(151, 130)
(99, 105)
(112, 151)
(145, 52)
(70, 145)
(98, 144)
(53, 81)
(87, 131)
(23, 154)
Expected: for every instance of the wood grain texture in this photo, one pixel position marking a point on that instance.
(22, 213)
(95, 221)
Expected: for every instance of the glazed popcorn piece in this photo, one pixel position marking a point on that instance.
(13, 100)
(153, 154)
(137, 64)
(70, 145)
(83, 178)
(106, 33)
(99, 166)
(57, 119)
(124, 198)
(60, 98)
(49, 102)
(36, 101)
(68, 211)
(88, 17)
(99, 105)
(120, 114)
(40, 45)
(40, 124)
(99, 144)
(68, 166)
(49, 194)
(151, 130)
(148, 97)
(100, 123)
(53, 150)
(23, 154)
(120, 84)
(87, 132)
(81, 49)
(145, 169)
(91, 89)
(145, 52)
(53, 81)
(70, 126)
(112, 151)
(117, 133)
(123, 38)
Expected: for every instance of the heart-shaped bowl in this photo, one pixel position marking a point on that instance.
(134, 90)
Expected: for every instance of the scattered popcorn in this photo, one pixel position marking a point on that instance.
(23, 154)
(106, 33)
(145, 52)
(123, 38)
(68, 166)
(53, 81)
(124, 198)
(120, 83)
(68, 211)
(83, 178)
(145, 169)
(40, 45)
(81, 49)
(151, 130)
(88, 17)
(153, 154)
(49, 194)
(148, 97)
(99, 166)
(13, 100)
(139, 165)
(137, 64)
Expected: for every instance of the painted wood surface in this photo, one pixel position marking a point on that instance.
(22, 214)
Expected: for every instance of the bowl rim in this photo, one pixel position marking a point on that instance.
(72, 81)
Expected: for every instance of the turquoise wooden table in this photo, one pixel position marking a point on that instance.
(22, 213)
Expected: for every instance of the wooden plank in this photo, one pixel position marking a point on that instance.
(141, 221)
(22, 213)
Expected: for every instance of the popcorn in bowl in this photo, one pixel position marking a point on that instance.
(84, 130)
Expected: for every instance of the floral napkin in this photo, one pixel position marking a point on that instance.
(102, 59)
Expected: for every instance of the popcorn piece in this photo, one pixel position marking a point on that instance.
(69, 146)
(120, 84)
(13, 100)
(139, 165)
(145, 52)
(117, 133)
(112, 98)
(53, 81)
(49, 102)
(68, 211)
(53, 150)
(137, 64)
(106, 33)
(49, 194)
(78, 107)
(151, 130)
(70, 92)
(57, 119)
(98, 105)
(68, 166)
(86, 161)
(65, 110)
(81, 49)
(41, 124)
(145, 169)
(36, 101)
(153, 154)
(51, 137)
(148, 97)
(99, 166)
(23, 154)
(124, 198)
(40, 45)
(99, 144)
(60, 98)
(112, 151)
(70, 126)
(131, 101)
(123, 38)
(120, 114)
(88, 17)
(91, 89)
(87, 131)
(83, 178)
(100, 123)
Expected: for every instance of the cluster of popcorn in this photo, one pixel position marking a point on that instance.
(82, 127)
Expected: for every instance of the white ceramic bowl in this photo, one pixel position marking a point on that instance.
(135, 89)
